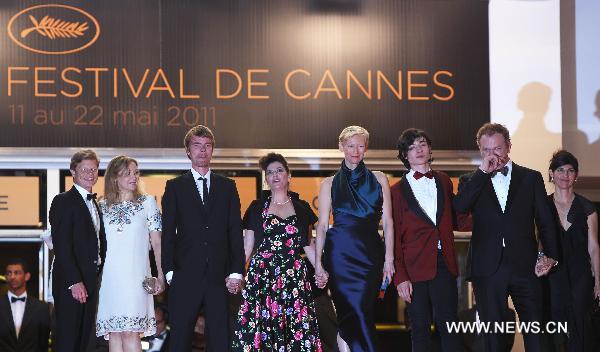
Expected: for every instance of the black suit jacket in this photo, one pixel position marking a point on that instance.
(526, 207)
(35, 327)
(166, 343)
(202, 239)
(75, 242)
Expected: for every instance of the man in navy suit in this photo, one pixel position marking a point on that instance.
(24, 320)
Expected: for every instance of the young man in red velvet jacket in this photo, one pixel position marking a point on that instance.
(425, 259)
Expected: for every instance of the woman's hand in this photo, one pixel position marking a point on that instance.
(597, 290)
(321, 277)
(388, 271)
(160, 286)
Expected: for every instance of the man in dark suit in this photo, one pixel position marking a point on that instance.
(506, 201)
(202, 246)
(161, 340)
(425, 259)
(24, 321)
(79, 250)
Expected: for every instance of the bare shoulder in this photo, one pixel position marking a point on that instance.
(381, 177)
(327, 181)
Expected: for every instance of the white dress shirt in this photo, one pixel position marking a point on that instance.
(157, 342)
(200, 188)
(197, 175)
(425, 191)
(93, 213)
(18, 309)
(501, 185)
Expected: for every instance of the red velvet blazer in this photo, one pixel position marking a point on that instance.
(416, 235)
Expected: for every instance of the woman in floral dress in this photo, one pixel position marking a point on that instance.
(277, 311)
(132, 222)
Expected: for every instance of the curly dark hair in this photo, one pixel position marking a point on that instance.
(270, 158)
(406, 139)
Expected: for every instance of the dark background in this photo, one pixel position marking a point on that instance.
(284, 35)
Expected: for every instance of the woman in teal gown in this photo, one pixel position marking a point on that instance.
(355, 260)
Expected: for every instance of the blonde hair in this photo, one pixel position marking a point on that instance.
(113, 171)
(81, 155)
(352, 131)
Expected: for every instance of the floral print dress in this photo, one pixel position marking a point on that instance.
(277, 311)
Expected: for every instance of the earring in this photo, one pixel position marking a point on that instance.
(551, 179)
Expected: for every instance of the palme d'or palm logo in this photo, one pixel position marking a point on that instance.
(53, 29)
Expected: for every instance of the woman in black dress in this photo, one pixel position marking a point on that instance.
(574, 283)
(277, 311)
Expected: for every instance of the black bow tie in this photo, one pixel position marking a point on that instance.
(503, 170)
(417, 175)
(91, 196)
(13, 299)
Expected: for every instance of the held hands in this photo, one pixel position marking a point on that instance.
(160, 286)
(321, 277)
(405, 290)
(234, 285)
(79, 292)
(492, 162)
(544, 265)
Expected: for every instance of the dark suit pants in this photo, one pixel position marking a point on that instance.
(188, 295)
(75, 322)
(439, 295)
(491, 293)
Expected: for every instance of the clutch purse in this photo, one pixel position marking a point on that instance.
(150, 284)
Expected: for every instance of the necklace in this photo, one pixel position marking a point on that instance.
(282, 203)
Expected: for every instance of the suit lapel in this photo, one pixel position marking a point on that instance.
(7, 315)
(515, 181)
(83, 207)
(214, 186)
(194, 189)
(413, 204)
(493, 195)
(26, 314)
(440, 197)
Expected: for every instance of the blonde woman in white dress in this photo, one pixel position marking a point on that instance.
(132, 222)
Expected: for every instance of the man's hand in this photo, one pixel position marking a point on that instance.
(233, 285)
(405, 290)
(79, 292)
(492, 162)
(544, 265)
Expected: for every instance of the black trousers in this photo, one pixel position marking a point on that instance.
(188, 295)
(491, 293)
(437, 297)
(75, 322)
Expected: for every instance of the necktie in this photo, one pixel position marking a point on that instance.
(204, 189)
(14, 299)
(503, 170)
(91, 196)
(417, 175)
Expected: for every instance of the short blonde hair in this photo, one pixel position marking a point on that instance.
(81, 155)
(352, 131)
(113, 170)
